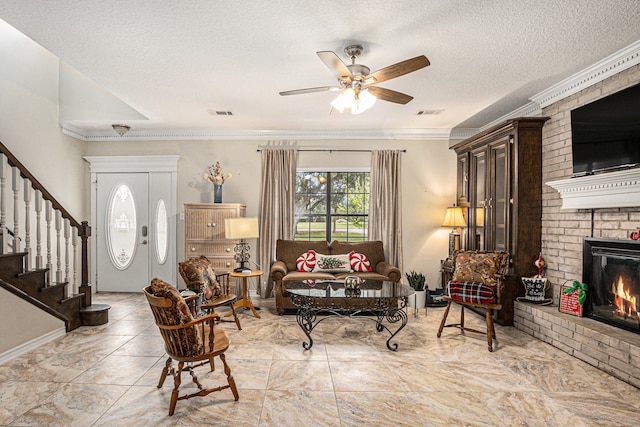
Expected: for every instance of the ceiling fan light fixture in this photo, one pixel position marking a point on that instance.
(346, 99)
(337, 104)
(363, 102)
(357, 101)
(355, 78)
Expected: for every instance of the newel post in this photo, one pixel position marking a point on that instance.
(85, 231)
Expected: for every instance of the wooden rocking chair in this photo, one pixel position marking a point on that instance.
(195, 342)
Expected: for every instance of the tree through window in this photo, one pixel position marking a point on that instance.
(332, 206)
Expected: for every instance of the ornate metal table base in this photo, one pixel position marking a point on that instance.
(378, 310)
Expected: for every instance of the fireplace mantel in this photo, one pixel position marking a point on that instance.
(618, 189)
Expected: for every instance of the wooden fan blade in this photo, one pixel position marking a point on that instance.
(335, 64)
(310, 90)
(397, 70)
(389, 95)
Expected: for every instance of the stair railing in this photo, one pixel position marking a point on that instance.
(25, 189)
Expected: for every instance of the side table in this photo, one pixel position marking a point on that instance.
(245, 302)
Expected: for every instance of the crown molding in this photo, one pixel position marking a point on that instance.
(229, 135)
(613, 64)
(530, 109)
(73, 131)
(463, 133)
(126, 164)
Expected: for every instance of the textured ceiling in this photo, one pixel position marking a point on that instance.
(174, 61)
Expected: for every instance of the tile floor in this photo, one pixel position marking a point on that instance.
(107, 375)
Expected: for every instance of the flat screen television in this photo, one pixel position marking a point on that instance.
(605, 134)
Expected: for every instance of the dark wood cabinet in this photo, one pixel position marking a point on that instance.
(500, 185)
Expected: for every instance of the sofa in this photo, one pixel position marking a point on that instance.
(290, 256)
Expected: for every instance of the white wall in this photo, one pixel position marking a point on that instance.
(29, 128)
(428, 183)
(29, 78)
(15, 331)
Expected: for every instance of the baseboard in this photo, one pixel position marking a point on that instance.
(30, 345)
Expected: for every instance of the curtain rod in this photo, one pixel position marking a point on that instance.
(337, 150)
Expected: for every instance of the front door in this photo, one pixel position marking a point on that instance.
(133, 201)
(123, 232)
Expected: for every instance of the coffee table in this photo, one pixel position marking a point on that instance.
(375, 300)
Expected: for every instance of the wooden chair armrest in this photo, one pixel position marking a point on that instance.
(190, 298)
(194, 322)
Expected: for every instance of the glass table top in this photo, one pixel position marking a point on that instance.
(336, 289)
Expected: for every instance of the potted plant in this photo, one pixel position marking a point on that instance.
(418, 282)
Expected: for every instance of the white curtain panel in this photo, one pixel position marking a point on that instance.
(385, 203)
(276, 207)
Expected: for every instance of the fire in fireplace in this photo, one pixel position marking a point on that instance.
(624, 304)
(611, 269)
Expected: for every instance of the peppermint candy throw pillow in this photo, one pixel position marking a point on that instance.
(306, 261)
(359, 262)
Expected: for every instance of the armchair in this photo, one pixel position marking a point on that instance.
(478, 279)
(187, 340)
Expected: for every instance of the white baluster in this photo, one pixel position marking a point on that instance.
(3, 206)
(47, 213)
(58, 226)
(74, 244)
(27, 223)
(16, 222)
(38, 207)
(67, 230)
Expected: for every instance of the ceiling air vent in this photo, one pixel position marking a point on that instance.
(429, 112)
(220, 113)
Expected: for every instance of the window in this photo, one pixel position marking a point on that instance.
(121, 226)
(332, 206)
(162, 235)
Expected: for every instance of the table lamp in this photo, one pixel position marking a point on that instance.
(455, 219)
(241, 228)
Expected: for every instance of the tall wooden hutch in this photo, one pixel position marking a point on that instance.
(499, 182)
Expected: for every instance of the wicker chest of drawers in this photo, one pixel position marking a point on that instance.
(204, 232)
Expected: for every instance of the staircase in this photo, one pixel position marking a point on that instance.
(28, 272)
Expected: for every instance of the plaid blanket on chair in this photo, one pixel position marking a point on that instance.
(471, 292)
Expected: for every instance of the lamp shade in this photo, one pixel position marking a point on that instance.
(454, 217)
(241, 228)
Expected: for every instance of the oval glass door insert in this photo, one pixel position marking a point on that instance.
(121, 229)
(162, 235)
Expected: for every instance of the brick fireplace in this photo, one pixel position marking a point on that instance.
(612, 349)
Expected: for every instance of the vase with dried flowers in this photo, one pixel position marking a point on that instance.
(214, 175)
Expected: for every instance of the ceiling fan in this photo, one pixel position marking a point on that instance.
(357, 85)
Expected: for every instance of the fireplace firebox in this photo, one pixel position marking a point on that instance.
(611, 269)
